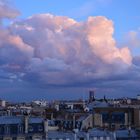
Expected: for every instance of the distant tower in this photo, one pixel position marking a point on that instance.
(91, 96)
(105, 98)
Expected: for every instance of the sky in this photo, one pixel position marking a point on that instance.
(62, 49)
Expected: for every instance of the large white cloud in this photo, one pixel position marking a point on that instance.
(60, 50)
(56, 51)
(50, 51)
(64, 37)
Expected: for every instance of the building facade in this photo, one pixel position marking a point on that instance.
(22, 128)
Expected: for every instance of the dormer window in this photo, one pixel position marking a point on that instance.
(7, 129)
(40, 128)
(30, 128)
(20, 129)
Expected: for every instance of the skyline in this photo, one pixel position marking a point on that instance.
(50, 48)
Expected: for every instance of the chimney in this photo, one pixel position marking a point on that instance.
(114, 135)
(129, 130)
(73, 121)
(87, 135)
(52, 116)
(75, 135)
(46, 128)
(26, 123)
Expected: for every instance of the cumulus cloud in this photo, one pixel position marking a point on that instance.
(59, 51)
(64, 51)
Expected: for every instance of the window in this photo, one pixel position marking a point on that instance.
(0, 129)
(107, 138)
(21, 138)
(40, 128)
(37, 138)
(29, 138)
(101, 138)
(14, 138)
(30, 128)
(95, 138)
(7, 139)
(20, 129)
(7, 129)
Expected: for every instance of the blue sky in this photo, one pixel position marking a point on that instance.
(43, 55)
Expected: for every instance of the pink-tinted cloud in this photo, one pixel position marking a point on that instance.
(61, 48)
(6, 11)
(13, 51)
(56, 51)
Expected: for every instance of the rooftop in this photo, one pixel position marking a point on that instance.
(19, 119)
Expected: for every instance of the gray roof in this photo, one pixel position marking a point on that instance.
(18, 120)
(98, 132)
(80, 134)
(125, 133)
(10, 120)
(93, 133)
(96, 104)
(58, 134)
(35, 120)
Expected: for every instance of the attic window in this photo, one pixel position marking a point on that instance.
(30, 128)
(40, 128)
